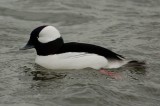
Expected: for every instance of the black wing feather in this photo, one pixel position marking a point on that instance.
(89, 48)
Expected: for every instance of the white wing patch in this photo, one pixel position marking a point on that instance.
(73, 55)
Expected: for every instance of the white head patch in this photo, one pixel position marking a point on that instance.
(49, 33)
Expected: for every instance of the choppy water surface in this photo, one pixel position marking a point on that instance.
(128, 27)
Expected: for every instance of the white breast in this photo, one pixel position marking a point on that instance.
(72, 60)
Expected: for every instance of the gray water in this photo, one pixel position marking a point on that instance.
(128, 27)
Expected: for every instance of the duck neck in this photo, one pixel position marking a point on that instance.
(44, 49)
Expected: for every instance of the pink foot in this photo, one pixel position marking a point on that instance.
(111, 74)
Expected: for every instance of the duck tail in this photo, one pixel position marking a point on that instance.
(135, 63)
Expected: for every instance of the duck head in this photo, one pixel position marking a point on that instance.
(45, 39)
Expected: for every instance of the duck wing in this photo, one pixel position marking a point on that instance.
(89, 49)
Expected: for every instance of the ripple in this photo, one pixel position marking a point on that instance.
(62, 18)
(130, 27)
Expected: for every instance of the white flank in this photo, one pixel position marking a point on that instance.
(73, 60)
(48, 34)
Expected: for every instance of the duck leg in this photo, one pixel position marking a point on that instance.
(112, 74)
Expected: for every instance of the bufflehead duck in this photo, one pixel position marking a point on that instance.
(53, 53)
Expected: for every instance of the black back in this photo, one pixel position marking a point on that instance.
(89, 48)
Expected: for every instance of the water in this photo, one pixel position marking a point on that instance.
(128, 27)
